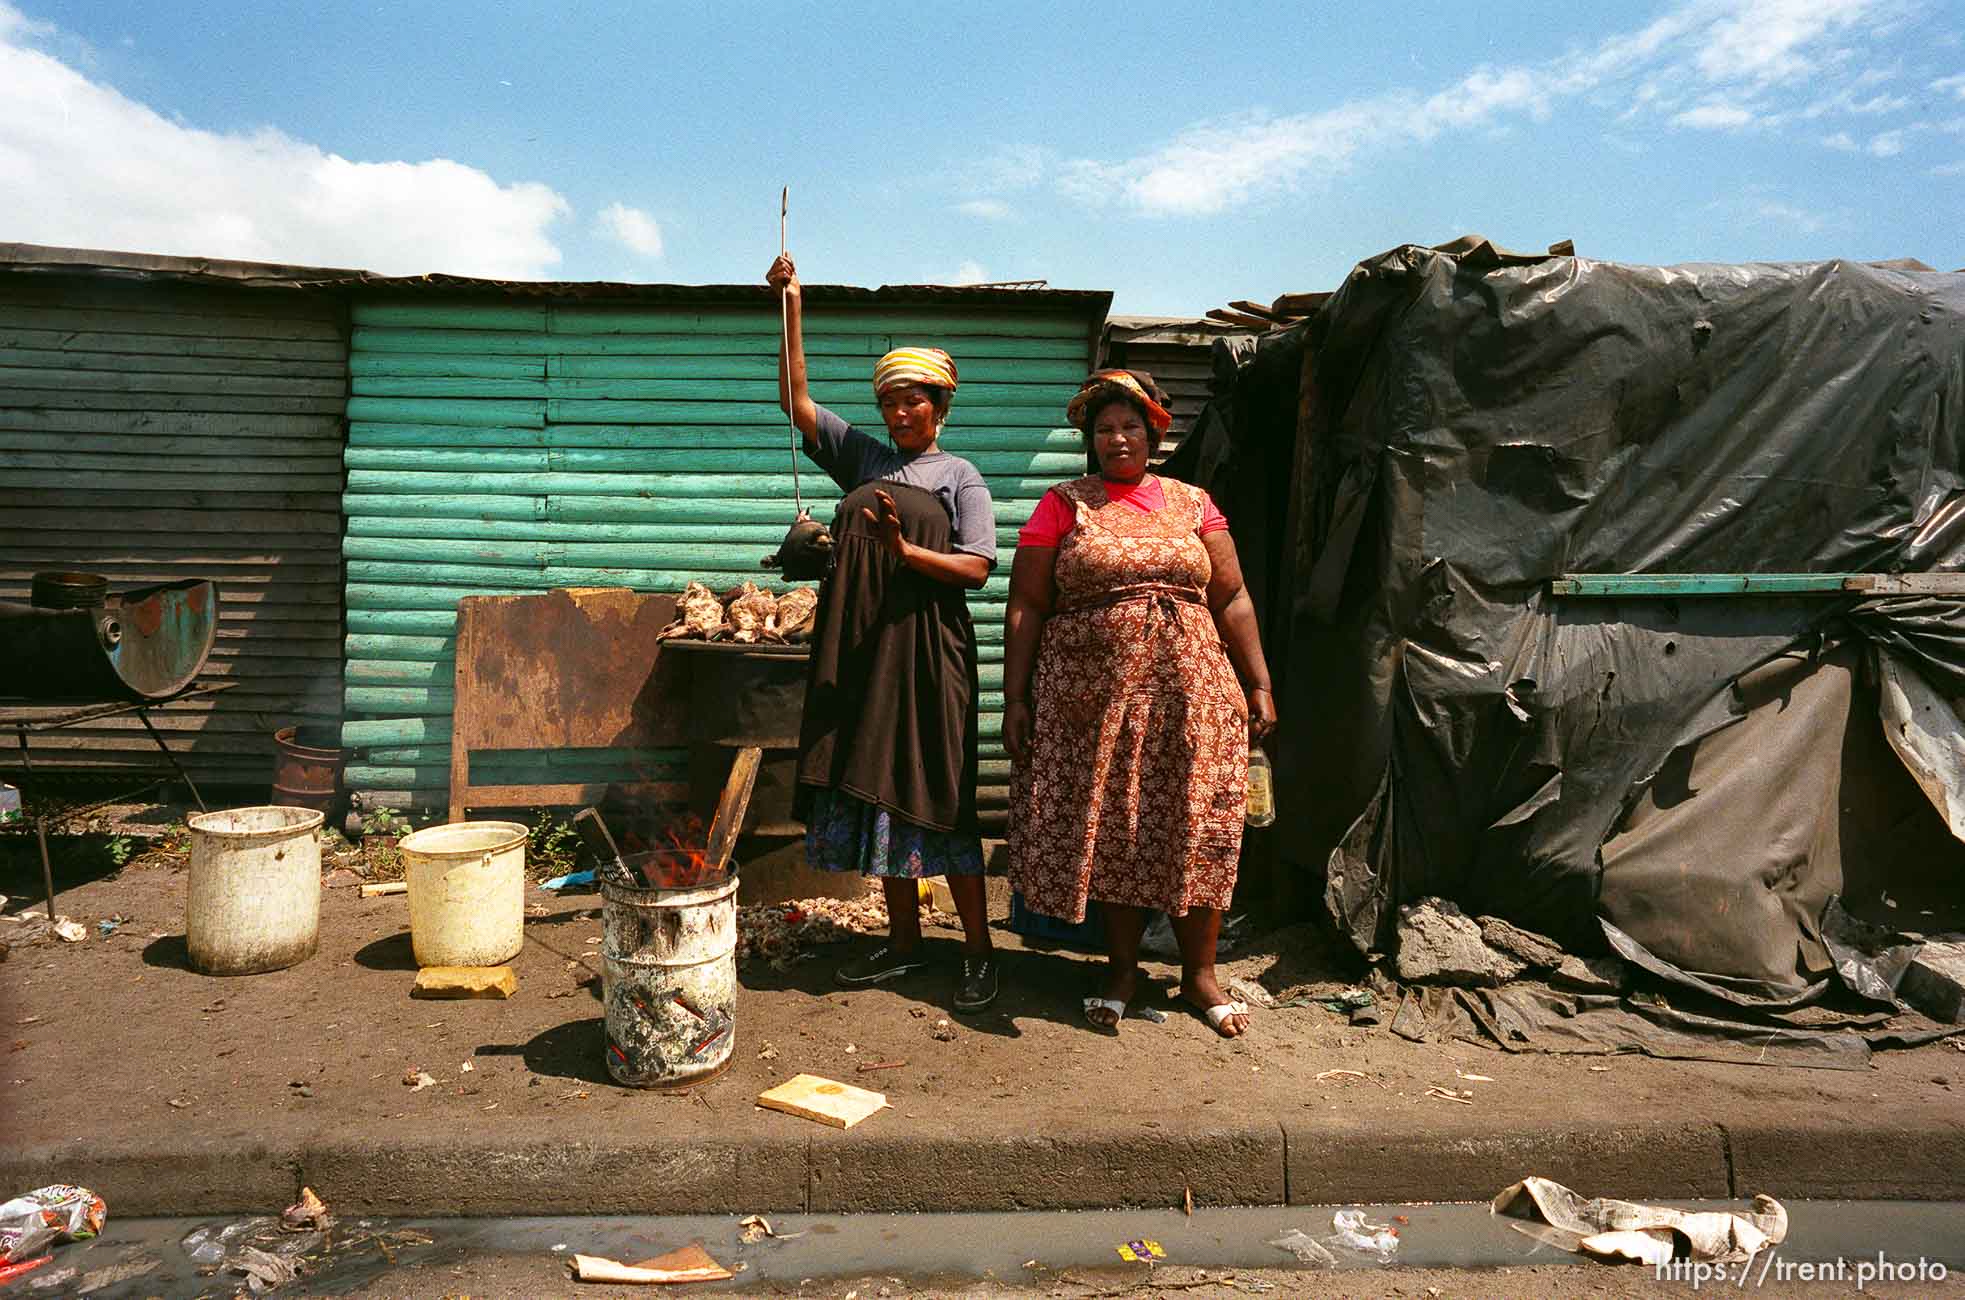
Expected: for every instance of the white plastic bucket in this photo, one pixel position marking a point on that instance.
(466, 893)
(255, 890)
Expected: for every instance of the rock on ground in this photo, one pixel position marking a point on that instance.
(1536, 950)
(1439, 943)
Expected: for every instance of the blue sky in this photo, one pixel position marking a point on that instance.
(1180, 155)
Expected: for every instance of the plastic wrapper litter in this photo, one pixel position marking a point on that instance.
(38, 1219)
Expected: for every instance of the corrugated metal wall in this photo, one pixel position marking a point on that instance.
(508, 448)
(151, 432)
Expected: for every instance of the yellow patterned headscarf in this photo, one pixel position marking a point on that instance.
(914, 366)
(1101, 382)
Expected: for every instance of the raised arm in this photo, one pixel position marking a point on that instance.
(1033, 590)
(1234, 619)
(794, 398)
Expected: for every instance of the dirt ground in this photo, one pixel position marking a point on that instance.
(333, 1039)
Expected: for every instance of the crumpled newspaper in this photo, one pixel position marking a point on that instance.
(1648, 1234)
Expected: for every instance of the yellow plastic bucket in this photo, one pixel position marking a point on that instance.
(466, 893)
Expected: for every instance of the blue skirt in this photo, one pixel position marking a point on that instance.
(843, 833)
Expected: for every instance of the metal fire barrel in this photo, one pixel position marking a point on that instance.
(147, 644)
(669, 982)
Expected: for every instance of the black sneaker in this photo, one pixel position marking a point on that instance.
(979, 983)
(882, 964)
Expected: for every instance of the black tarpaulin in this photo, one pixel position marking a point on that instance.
(1704, 773)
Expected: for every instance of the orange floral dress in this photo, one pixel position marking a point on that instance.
(1136, 784)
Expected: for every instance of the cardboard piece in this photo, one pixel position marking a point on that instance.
(810, 1097)
(689, 1264)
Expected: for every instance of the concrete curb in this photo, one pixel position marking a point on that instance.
(865, 1170)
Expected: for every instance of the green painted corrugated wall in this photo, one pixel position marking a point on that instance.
(500, 447)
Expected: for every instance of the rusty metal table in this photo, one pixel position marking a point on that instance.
(29, 716)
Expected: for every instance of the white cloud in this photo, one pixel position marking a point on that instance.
(1768, 41)
(1808, 223)
(1707, 64)
(986, 209)
(82, 165)
(1715, 116)
(1841, 140)
(1950, 169)
(970, 272)
(633, 228)
(1887, 145)
(1950, 85)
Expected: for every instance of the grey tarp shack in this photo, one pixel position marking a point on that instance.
(165, 418)
(1700, 771)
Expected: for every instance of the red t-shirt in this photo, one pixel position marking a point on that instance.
(1054, 516)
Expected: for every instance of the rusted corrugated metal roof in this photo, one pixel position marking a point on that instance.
(29, 258)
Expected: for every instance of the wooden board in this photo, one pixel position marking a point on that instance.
(810, 1097)
(569, 669)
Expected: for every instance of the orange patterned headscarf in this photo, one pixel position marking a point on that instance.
(914, 366)
(1115, 382)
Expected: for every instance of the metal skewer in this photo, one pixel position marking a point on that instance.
(784, 332)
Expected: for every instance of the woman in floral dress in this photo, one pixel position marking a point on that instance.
(1127, 628)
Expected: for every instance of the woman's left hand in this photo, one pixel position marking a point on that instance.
(888, 521)
(1262, 713)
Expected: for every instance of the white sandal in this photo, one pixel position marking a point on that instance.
(1218, 1014)
(1115, 1005)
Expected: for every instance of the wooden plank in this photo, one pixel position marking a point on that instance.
(1241, 318)
(170, 485)
(325, 427)
(146, 461)
(456, 412)
(833, 393)
(765, 532)
(69, 360)
(929, 325)
(128, 380)
(731, 806)
(148, 296)
(118, 343)
(235, 450)
(412, 579)
(302, 528)
(810, 1096)
(867, 346)
(459, 364)
(449, 315)
(205, 498)
(568, 410)
(399, 483)
(213, 325)
(67, 399)
(763, 365)
(773, 439)
(579, 460)
(444, 386)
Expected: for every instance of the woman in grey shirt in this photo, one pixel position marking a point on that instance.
(887, 748)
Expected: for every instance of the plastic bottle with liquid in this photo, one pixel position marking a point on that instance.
(1262, 790)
